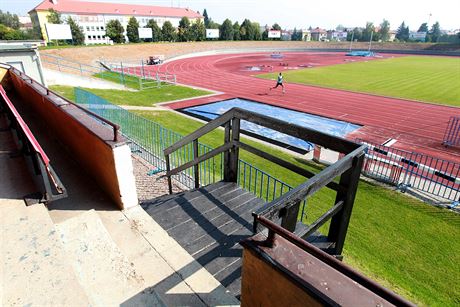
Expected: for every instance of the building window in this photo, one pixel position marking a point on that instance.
(87, 28)
(92, 28)
(98, 37)
(102, 28)
(89, 37)
(94, 36)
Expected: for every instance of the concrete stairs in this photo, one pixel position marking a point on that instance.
(103, 258)
(34, 265)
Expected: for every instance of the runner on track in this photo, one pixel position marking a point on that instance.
(279, 82)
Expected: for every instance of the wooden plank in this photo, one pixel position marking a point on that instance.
(177, 211)
(320, 221)
(234, 153)
(340, 221)
(230, 278)
(311, 186)
(292, 167)
(289, 219)
(226, 229)
(189, 195)
(200, 132)
(198, 224)
(332, 142)
(168, 168)
(217, 211)
(264, 285)
(200, 159)
(186, 194)
(223, 254)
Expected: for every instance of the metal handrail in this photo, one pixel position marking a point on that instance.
(39, 157)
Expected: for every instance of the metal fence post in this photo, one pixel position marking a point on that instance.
(142, 67)
(122, 75)
(196, 167)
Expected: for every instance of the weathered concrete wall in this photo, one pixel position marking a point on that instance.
(89, 142)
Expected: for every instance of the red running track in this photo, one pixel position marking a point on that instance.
(416, 126)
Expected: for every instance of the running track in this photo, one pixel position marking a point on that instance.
(417, 126)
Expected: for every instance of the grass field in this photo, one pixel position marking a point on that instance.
(430, 79)
(145, 98)
(402, 243)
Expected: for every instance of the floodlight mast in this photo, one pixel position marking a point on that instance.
(352, 37)
(370, 41)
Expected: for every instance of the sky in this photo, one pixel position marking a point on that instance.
(302, 14)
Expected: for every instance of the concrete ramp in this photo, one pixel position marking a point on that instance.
(33, 264)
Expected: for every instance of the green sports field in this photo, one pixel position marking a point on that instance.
(424, 78)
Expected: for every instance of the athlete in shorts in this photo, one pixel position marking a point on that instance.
(279, 82)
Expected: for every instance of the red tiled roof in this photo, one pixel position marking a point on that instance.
(318, 30)
(65, 6)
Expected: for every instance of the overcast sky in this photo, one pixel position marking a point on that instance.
(302, 14)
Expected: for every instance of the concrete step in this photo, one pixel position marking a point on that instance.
(108, 277)
(34, 267)
(174, 274)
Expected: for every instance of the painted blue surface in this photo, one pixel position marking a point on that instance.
(323, 124)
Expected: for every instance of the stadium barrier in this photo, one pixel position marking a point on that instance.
(148, 140)
(411, 170)
(147, 77)
(133, 75)
(452, 134)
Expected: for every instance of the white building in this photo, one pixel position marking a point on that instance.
(94, 16)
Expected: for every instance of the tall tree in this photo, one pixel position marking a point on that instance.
(198, 31)
(384, 31)
(78, 37)
(435, 32)
(206, 18)
(212, 25)
(402, 33)
(276, 27)
(257, 33)
(132, 30)
(355, 34)
(297, 35)
(115, 31)
(8, 33)
(236, 31)
(10, 20)
(423, 27)
(226, 30)
(368, 32)
(54, 16)
(247, 30)
(183, 32)
(156, 31)
(168, 32)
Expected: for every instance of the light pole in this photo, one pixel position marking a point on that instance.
(370, 41)
(352, 36)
